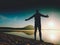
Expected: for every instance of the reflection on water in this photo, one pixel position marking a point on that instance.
(52, 36)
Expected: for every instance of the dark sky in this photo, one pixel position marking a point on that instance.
(14, 5)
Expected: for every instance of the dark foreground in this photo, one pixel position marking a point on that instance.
(6, 39)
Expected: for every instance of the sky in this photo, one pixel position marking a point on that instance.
(13, 13)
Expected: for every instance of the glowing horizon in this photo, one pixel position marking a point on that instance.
(18, 19)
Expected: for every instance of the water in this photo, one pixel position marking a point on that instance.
(52, 36)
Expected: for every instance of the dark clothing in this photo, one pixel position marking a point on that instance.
(37, 18)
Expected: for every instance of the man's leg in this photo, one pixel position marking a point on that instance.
(35, 32)
(40, 33)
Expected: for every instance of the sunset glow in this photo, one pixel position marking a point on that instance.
(52, 37)
(51, 24)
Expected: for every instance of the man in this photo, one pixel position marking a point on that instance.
(37, 17)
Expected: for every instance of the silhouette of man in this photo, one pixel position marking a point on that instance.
(37, 16)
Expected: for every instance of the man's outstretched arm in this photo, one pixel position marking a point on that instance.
(29, 18)
(45, 16)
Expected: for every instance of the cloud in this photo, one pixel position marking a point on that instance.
(3, 17)
(12, 22)
(9, 22)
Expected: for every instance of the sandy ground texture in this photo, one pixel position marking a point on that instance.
(7, 39)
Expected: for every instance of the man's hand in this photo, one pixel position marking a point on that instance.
(47, 16)
(26, 19)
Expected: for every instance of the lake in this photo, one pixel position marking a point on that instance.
(52, 36)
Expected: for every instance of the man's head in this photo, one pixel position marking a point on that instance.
(37, 11)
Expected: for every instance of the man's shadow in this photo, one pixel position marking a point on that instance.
(37, 17)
